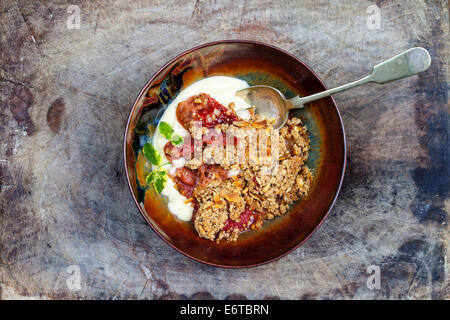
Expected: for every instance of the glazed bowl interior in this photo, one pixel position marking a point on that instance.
(256, 63)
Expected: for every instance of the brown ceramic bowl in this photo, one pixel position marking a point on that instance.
(257, 63)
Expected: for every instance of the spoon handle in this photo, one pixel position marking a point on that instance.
(403, 65)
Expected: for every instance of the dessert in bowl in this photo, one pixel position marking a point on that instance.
(212, 177)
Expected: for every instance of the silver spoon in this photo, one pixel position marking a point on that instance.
(271, 103)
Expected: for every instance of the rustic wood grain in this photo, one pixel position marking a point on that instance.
(65, 96)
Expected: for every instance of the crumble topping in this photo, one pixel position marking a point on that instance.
(230, 196)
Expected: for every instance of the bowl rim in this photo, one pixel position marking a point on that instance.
(144, 90)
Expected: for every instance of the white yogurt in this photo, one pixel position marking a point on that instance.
(223, 90)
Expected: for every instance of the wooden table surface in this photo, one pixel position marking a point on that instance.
(65, 95)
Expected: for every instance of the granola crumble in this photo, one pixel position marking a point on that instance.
(231, 196)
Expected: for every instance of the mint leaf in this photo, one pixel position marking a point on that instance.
(151, 177)
(177, 140)
(151, 154)
(158, 179)
(161, 174)
(158, 176)
(159, 185)
(165, 129)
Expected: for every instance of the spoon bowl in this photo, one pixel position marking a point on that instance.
(268, 102)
